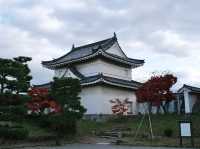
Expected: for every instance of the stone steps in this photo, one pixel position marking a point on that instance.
(114, 133)
(110, 134)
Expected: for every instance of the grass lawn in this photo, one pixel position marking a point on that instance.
(36, 131)
(164, 141)
(88, 129)
(159, 124)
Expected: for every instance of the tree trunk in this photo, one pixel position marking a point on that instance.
(158, 109)
(167, 106)
(150, 107)
(2, 88)
(3, 80)
(163, 107)
(17, 92)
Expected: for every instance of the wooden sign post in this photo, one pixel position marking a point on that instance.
(185, 131)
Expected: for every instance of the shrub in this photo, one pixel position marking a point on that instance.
(62, 125)
(17, 110)
(10, 117)
(168, 132)
(24, 98)
(13, 99)
(16, 133)
(44, 121)
(119, 118)
(8, 99)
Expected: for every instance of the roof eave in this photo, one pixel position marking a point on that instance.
(109, 83)
(99, 52)
(100, 78)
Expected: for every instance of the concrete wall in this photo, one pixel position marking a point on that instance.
(100, 66)
(97, 99)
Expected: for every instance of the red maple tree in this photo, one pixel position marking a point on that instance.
(156, 91)
(41, 102)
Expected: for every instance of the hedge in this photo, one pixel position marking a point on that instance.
(15, 133)
(61, 124)
(10, 117)
(18, 110)
(13, 99)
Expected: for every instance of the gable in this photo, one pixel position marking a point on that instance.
(116, 49)
(65, 73)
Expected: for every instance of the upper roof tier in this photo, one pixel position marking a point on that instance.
(91, 51)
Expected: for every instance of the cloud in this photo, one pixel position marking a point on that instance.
(172, 43)
(164, 33)
(16, 42)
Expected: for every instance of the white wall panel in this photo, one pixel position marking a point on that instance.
(97, 99)
(100, 66)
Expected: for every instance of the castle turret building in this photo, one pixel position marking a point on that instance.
(105, 73)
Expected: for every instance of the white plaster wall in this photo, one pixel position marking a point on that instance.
(187, 100)
(97, 99)
(100, 66)
(115, 49)
(59, 72)
(64, 72)
(172, 106)
(142, 108)
(192, 100)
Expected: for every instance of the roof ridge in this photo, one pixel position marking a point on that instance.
(139, 60)
(92, 44)
(185, 85)
(83, 46)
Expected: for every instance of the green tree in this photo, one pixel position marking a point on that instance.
(14, 74)
(66, 92)
(21, 74)
(6, 69)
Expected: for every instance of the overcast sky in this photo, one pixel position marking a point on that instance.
(166, 33)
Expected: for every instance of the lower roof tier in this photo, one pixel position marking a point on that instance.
(104, 80)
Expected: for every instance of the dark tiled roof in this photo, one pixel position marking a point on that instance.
(82, 51)
(100, 78)
(76, 72)
(131, 60)
(45, 85)
(91, 50)
(191, 88)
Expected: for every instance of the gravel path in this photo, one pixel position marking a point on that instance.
(97, 146)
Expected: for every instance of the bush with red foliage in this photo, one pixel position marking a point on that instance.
(41, 102)
(119, 107)
(156, 91)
